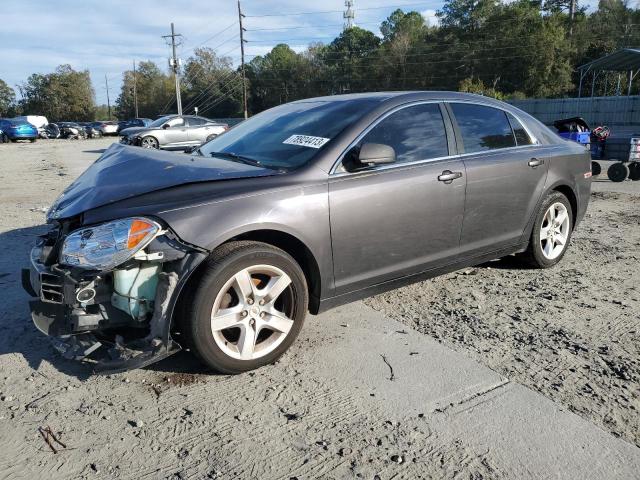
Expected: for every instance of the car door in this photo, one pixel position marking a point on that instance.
(197, 130)
(395, 220)
(176, 134)
(506, 172)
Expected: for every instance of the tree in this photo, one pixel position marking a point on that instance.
(7, 98)
(212, 84)
(349, 59)
(65, 94)
(280, 76)
(155, 90)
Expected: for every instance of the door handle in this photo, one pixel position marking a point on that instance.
(448, 176)
(536, 162)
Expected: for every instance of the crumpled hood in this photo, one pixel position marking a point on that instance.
(127, 132)
(124, 172)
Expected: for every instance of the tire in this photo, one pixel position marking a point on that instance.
(596, 169)
(538, 253)
(634, 171)
(256, 266)
(149, 142)
(618, 172)
(4, 138)
(32, 140)
(211, 137)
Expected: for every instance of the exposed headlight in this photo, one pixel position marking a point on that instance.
(108, 245)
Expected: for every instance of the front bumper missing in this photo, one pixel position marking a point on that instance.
(80, 333)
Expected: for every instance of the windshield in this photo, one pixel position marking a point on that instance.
(290, 135)
(159, 122)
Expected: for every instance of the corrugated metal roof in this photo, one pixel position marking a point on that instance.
(620, 61)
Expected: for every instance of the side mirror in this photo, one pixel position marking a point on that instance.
(165, 126)
(376, 154)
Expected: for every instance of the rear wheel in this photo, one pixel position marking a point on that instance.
(247, 308)
(618, 172)
(634, 171)
(596, 169)
(551, 232)
(149, 142)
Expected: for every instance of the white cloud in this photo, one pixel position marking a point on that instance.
(430, 17)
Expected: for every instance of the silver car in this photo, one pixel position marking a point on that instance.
(173, 132)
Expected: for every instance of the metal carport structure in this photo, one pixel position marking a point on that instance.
(624, 60)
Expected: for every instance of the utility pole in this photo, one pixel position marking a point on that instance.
(244, 77)
(572, 14)
(135, 89)
(106, 82)
(175, 65)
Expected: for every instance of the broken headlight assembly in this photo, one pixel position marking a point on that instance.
(103, 247)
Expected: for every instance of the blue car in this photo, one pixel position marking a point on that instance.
(13, 130)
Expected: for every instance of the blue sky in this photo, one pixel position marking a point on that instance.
(106, 36)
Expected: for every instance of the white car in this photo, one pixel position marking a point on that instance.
(107, 127)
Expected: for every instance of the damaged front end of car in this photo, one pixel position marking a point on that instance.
(106, 293)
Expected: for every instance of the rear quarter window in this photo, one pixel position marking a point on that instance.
(482, 127)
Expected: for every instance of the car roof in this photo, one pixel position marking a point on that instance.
(405, 95)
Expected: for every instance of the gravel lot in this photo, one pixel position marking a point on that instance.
(570, 333)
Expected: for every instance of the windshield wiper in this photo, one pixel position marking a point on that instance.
(237, 158)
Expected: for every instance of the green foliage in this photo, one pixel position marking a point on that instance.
(154, 88)
(7, 98)
(499, 48)
(65, 94)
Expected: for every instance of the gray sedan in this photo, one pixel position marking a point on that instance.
(173, 132)
(299, 209)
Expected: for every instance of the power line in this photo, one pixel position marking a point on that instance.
(322, 12)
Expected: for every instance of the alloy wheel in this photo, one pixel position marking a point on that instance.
(554, 231)
(252, 313)
(148, 142)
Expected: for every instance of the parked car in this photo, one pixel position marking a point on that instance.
(173, 132)
(71, 130)
(37, 121)
(14, 130)
(91, 129)
(133, 122)
(303, 207)
(50, 131)
(107, 127)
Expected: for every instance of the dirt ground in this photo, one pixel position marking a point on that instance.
(571, 333)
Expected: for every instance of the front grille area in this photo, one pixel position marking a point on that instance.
(51, 288)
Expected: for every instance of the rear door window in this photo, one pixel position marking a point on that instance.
(522, 137)
(415, 133)
(196, 121)
(483, 128)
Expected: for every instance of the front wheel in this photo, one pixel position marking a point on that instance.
(551, 232)
(149, 142)
(247, 308)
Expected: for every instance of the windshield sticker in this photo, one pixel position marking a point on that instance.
(306, 141)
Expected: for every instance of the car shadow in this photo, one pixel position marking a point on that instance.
(510, 262)
(99, 150)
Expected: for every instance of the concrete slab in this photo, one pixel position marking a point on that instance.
(426, 375)
(528, 435)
